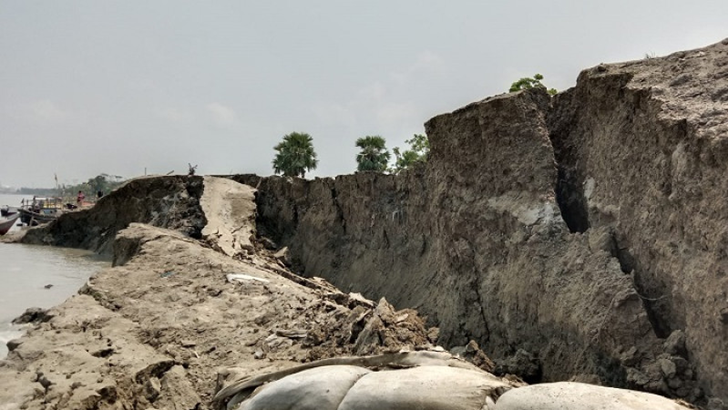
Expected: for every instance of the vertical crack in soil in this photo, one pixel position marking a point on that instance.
(657, 307)
(569, 183)
(339, 210)
(486, 339)
(623, 255)
(570, 197)
(654, 305)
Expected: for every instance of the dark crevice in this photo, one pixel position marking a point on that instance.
(357, 328)
(655, 306)
(523, 364)
(339, 211)
(486, 339)
(570, 197)
(295, 216)
(626, 260)
(569, 188)
(610, 370)
(623, 255)
(660, 326)
(195, 187)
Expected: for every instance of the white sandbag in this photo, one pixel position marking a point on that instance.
(580, 396)
(423, 388)
(320, 388)
(238, 390)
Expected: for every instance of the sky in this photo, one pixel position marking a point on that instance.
(124, 87)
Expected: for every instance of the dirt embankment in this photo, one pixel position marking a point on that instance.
(581, 236)
(171, 202)
(153, 331)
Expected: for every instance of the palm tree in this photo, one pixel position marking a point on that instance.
(374, 155)
(295, 155)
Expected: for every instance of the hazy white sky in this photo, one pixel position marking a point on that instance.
(116, 86)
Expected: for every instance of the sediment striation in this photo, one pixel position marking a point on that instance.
(579, 237)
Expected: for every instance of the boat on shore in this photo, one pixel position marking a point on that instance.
(7, 223)
(8, 211)
(40, 210)
(33, 218)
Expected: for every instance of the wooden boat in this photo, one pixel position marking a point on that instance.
(7, 223)
(38, 216)
(7, 211)
(40, 210)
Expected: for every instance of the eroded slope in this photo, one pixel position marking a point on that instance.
(153, 331)
(581, 236)
(171, 202)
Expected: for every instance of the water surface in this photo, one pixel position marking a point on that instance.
(26, 270)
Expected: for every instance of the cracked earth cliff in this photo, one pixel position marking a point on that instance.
(579, 237)
(582, 236)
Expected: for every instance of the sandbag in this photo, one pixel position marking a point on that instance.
(423, 388)
(240, 389)
(320, 388)
(580, 396)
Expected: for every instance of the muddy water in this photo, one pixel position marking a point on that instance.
(26, 270)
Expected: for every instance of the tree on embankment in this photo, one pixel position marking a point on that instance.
(419, 149)
(530, 82)
(374, 155)
(295, 155)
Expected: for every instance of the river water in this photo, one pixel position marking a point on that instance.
(26, 270)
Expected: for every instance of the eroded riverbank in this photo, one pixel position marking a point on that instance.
(154, 330)
(579, 237)
(176, 319)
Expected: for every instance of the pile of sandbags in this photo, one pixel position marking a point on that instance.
(425, 380)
